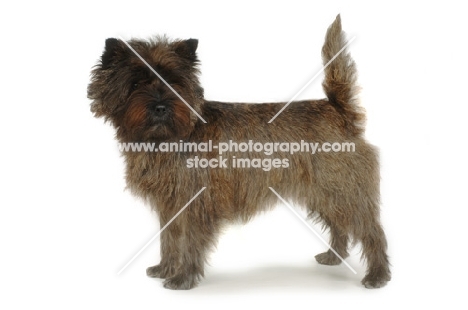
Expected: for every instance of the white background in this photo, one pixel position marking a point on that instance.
(67, 225)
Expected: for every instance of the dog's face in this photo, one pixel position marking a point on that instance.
(138, 103)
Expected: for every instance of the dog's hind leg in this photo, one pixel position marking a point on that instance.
(374, 246)
(338, 242)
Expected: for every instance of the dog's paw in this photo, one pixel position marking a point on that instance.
(154, 271)
(181, 282)
(327, 258)
(159, 272)
(376, 280)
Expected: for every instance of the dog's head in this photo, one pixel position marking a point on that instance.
(126, 92)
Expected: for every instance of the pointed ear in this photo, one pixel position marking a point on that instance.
(112, 50)
(187, 49)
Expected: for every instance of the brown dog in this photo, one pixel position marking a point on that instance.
(341, 189)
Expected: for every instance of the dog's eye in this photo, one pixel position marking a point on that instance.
(135, 85)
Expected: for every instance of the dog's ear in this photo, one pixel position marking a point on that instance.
(114, 49)
(187, 49)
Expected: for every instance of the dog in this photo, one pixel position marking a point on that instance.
(165, 105)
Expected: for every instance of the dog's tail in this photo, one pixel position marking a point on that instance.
(340, 77)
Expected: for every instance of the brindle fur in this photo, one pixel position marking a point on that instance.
(339, 189)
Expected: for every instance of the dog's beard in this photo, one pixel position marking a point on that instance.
(142, 123)
(159, 132)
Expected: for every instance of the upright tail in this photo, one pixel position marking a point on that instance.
(340, 78)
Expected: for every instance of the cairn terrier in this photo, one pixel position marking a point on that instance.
(339, 189)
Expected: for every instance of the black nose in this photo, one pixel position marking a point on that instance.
(160, 110)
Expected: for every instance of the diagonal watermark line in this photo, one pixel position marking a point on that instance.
(312, 79)
(159, 232)
(313, 230)
(163, 80)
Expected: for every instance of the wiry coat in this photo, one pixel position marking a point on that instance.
(339, 189)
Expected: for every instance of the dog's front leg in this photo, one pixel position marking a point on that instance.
(199, 229)
(170, 250)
